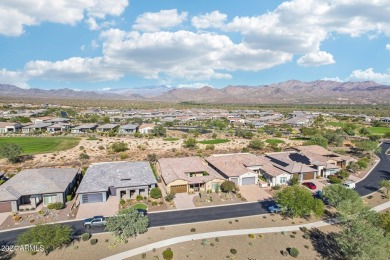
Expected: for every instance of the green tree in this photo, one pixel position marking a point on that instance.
(155, 193)
(386, 185)
(159, 130)
(343, 174)
(367, 146)
(228, 186)
(106, 119)
(317, 140)
(127, 223)
(364, 131)
(384, 222)
(190, 143)
(49, 237)
(256, 144)
(298, 201)
(361, 240)
(119, 147)
(11, 151)
(152, 157)
(309, 131)
(294, 181)
(336, 193)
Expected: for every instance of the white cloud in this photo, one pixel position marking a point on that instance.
(337, 79)
(94, 44)
(106, 89)
(16, 78)
(388, 47)
(370, 75)
(15, 14)
(193, 85)
(214, 19)
(318, 58)
(153, 22)
(73, 69)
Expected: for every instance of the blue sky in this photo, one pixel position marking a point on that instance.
(103, 44)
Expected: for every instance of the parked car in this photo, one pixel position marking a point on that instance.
(142, 212)
(96, 221)
(275, 208)
(350, 184)
(310, 185)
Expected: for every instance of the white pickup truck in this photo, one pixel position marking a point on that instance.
(350, 184)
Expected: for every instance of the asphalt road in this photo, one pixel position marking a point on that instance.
(381, 171)
(366, 186)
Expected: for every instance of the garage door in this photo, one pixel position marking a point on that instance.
(92, 197)
(248, 180)
(308, 176)
(179, 188)
(5, 207)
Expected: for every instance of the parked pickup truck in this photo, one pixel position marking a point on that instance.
(96, 221)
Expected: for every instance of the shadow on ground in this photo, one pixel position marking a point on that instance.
(325, 244)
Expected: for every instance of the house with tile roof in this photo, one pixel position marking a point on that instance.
(240, 168)
(188, 175)
(32, 187)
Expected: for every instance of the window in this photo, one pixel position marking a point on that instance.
(283, 180)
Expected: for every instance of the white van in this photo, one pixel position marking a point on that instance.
(350, 184)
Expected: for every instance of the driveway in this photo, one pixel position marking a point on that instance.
(254, 193)
(184, 201)
(108, 208)
(4, 216)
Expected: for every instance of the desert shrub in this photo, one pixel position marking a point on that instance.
(122, 202)
(210, 147)
(119, 147)
(293, 252)
(276, 187)
(101, 147)
(139, 198)
(284, 253)
(123, 156)
(143, 256)
(216, 239)
(292, 236)
(251, 236)
(370, 197)
(85, 236)
(154, 203)
(93, 241)
(205, 242)
(106, 240)
(233, 251)
(334, 179)
(303, 229)
(167, 254)
(56, 205)
(261, 236)
(170, 196)
(306, 236)
(306, 246)
(193, 230)
(155, 193)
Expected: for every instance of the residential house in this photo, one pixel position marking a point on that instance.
(240, 168)
(84, 128)
(146, 128)
(59, 127)
(188, 175)
(122, 179)
(35, 127)
(107, 128)
(128, 129)
(29, 188)
(58, 120)
(8, 127)
(286, 162)
(342, 161)
(39, 120)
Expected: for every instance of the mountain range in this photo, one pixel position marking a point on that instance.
(292, 91)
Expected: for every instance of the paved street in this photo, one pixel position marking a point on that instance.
(381, 171)
(366, 186)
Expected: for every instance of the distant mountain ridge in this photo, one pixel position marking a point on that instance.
(292, 91)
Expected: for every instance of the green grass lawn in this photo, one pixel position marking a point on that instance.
(36, 145)
(379, 130)
(171, 139)
(214, 141)
(274, 141)
(336, 124)
(139, 206)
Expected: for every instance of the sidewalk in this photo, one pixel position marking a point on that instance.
(237, 232)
